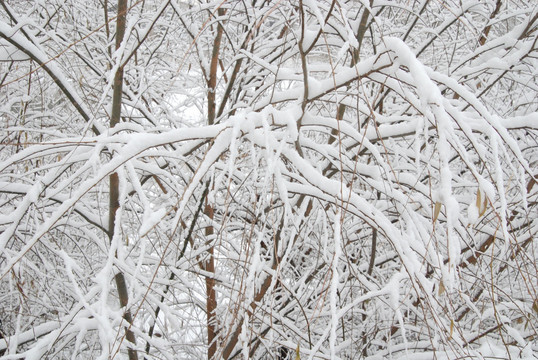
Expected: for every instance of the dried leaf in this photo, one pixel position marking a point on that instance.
(298, 353)
(478, 200)
(441, 288)
(482, 210)
(436, 211)
(451, 328)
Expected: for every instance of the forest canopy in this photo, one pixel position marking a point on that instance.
(268, 179)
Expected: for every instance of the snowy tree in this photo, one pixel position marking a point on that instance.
(268, 179)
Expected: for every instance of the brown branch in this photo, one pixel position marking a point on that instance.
(211, 297)
(212, 81)
(114, 187)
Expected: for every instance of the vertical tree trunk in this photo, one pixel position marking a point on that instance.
(212, 81)
(209, 265)
(211, 302)
(114, 179)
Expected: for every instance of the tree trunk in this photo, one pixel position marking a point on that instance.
(114, 179)
(211, 302)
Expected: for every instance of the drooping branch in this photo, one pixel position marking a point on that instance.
(46, 63)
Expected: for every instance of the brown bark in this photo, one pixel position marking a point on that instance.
(211, 302)
(114, 179)
(209, 265)
(485, 33)
(212, 81)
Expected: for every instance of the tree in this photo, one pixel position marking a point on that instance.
(268, 179)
